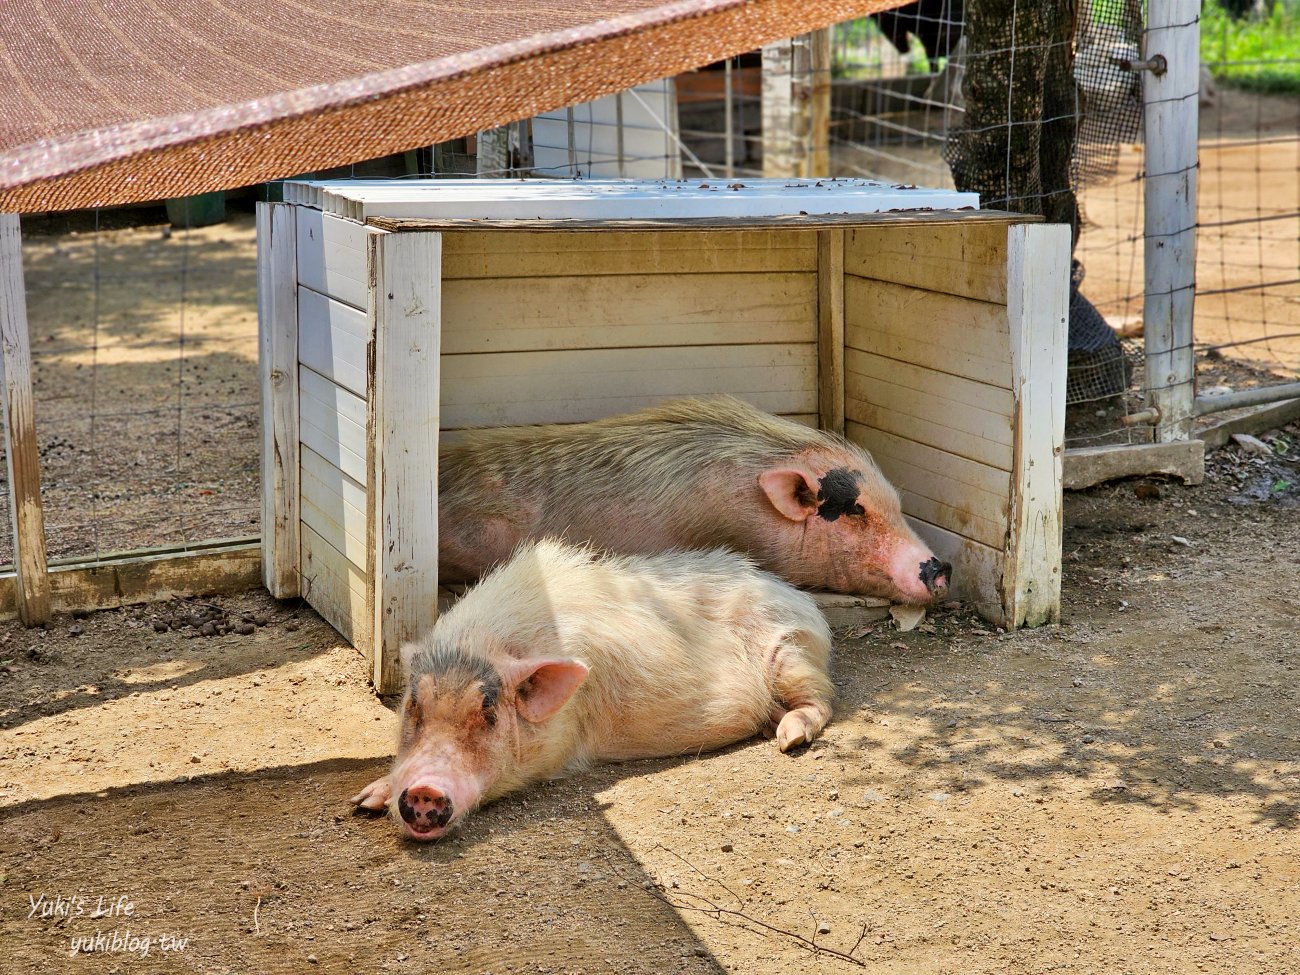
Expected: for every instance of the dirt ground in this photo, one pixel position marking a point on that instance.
(1120, 793)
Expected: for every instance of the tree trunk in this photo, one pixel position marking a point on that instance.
(1021, 108)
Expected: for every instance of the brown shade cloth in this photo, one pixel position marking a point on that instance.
(119, 101)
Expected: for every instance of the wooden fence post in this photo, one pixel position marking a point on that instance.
(819, 135)
(23, 461)
(277, 312)
(797, 106)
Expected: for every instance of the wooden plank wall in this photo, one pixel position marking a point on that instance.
(1038, 308)
(332, 383)
(954, 380)
(563, 328)
(928, 386)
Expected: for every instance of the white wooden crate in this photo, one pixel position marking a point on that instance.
(394, 313)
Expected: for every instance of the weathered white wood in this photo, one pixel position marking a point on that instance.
(532, 255)
(499, 202)
(937, 398)
(683, 225)
(450, 436)
(493, 155)
(969, 260)
(146, 576)
(332, 256)
(928, 417)
(948, 491)
(1038, 296)
(787, 117)
(627, 311)
(406, 303)
(332, 339)
(332, 422)
(981, 396)
(951, 334)
(335, 506)
(27, 518)
(337, 589)
(1170, 104)
(1087, 466)
(516, 388)
(1218, 432)
(830, 328)
(277, 313)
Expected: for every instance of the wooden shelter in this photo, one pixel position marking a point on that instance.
(929, 332)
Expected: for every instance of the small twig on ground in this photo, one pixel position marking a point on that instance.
(257, 928)
(740, 900)
(861, 937)
(1042, 717)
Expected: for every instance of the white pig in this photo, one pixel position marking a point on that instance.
(561, 657)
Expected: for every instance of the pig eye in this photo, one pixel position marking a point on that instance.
(489, 710)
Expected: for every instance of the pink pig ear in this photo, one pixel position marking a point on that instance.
(791, 493)
(542, 687)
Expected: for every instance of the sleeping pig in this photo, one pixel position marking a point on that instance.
(697, 473)
(560, 658)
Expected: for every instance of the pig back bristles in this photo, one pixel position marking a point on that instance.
(599, 459)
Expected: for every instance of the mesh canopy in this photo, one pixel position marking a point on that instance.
(108, 103)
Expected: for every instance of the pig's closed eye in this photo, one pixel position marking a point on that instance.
(489, 710)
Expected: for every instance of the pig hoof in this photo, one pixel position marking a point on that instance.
(794, 730)
(374, 797)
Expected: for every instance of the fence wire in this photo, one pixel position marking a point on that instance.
(144, 369)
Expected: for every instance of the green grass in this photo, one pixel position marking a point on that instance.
(1260, 55)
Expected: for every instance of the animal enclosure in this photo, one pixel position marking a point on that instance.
(394, 314)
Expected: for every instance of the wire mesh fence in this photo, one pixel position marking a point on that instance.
(144, 369)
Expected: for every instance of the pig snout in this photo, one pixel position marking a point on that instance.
(425, 810)
(918, 576)
(936, 576)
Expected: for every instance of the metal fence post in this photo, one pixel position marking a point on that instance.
(1170, 86)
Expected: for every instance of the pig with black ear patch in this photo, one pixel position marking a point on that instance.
(696, 473)
(560, 658)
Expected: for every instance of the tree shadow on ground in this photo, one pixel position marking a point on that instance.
(1145, 714)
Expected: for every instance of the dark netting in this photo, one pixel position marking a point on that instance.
(1047, 103)
(1096, 367)
(1110, 97)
